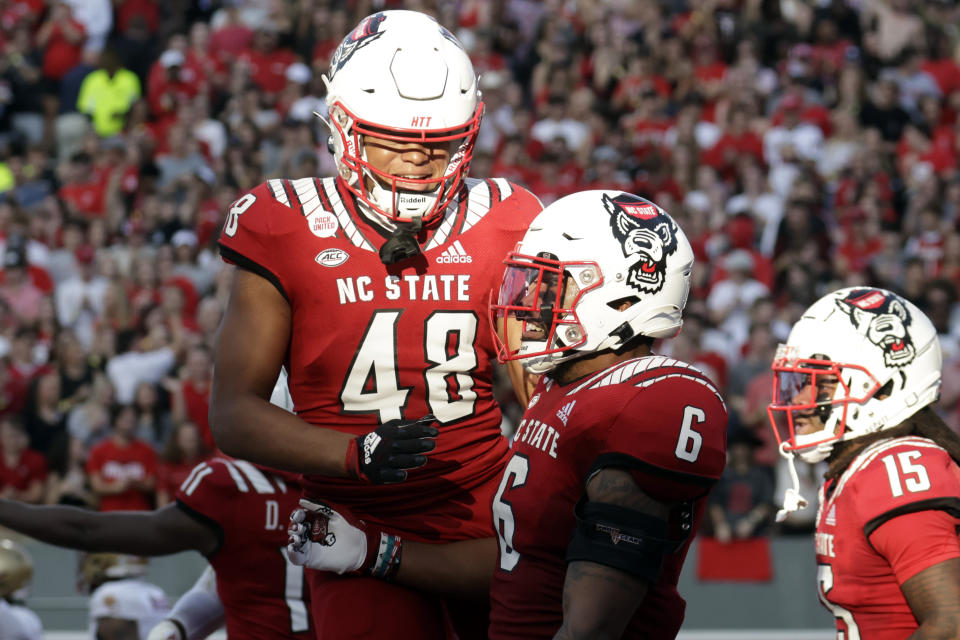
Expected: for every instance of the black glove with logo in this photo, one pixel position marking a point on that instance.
(383, 456)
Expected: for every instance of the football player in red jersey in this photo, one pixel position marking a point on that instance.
(370, 289)
(233, 513)
(616, 452)
(854, 385)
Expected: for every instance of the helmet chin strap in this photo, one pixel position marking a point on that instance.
(792, 500)
(401, 244)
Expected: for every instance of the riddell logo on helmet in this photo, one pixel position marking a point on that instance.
(421, 121)
(454, 255)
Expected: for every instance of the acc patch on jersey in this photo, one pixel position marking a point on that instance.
(323, 224)
(332, 257)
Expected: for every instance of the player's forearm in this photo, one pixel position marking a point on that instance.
(598, 601)
(568, 632)
(63, 526)
(946, 628)
(459, 569)
(252, 429)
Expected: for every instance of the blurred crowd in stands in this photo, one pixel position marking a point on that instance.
(802, 145)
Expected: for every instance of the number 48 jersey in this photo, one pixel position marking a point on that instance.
(874, 533)
(371, 343)
(660, 418)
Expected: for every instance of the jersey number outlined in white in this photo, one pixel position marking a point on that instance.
(824, 586)
(514, 475)
(373, 384)
(920, 481)
(690, 441)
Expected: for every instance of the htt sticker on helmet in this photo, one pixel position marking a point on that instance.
(365, 33)
(884, 319)
(643, 232)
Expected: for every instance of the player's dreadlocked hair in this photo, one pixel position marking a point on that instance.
(924, 423)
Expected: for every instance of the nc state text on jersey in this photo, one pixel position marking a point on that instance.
(538, 435)
(447, 286)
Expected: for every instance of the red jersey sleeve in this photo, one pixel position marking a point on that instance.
(674, 428)
(902, 476)
(255, 230)
(209, 494)
(520, 207)
(917, 541)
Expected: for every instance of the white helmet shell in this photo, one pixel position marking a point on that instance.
(401, 75)
(881, 355)
(615, 247)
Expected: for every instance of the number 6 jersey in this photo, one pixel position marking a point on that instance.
(660, 418)
(893, 513)
(372, 343)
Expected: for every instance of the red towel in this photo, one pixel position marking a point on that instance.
(737, 560)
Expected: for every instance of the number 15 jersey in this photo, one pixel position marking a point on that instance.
(881, 523)
(372, 343)
(659, 418)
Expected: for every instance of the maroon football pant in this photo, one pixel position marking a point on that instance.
(348, 608)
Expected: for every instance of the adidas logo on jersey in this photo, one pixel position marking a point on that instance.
(564, 413)
(454, 255)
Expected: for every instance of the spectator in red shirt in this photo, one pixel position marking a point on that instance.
(737, 140)
(232, 37)
(203, 57)
(183, 450)
(81, 191)
(123, 469)
(17, 290)
(23, 471)
(146, 10)
(61, 38)
(172, 81)
(266, 62)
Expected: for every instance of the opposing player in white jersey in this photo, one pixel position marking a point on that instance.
(16, 571)
(123, 606)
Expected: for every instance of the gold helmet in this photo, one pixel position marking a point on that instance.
(97, 568)
(16, 568)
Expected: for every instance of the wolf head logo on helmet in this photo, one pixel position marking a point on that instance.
(365, 33)
(884, 320)
(645, 232)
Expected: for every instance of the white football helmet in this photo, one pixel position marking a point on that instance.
(858, 361)
(580, 260)
(400, 75)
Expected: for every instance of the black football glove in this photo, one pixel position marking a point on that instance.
(383, 456)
